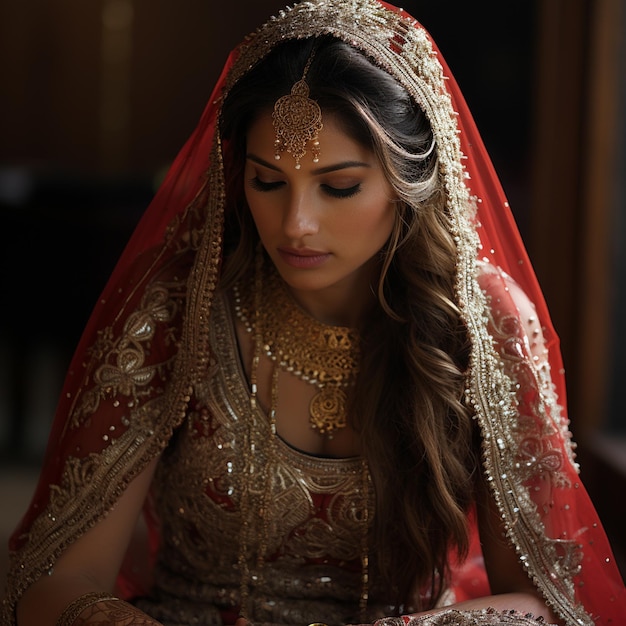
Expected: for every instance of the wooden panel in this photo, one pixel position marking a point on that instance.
(574, 170)
(601, 136)
(49, 58)
(555, 208)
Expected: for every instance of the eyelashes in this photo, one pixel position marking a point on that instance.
(259, 185)
(333, 192)
(342, 192)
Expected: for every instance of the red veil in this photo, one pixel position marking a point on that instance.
(144, 346)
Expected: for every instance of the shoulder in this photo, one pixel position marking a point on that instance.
(513, 319)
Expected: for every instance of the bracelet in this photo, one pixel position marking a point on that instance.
(74, 609)
(454, 617)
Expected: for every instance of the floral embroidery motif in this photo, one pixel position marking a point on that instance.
(124, 371)
(535, 429)
(527, 453)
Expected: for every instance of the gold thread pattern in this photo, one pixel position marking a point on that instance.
(454, 617)
(123, 370)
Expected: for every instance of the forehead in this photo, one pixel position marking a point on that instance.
(334, 142)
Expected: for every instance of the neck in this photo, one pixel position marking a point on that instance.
(345, 304)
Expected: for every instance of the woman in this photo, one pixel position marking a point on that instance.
(322, 368)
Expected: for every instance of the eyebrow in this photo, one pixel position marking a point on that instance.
(316, 172)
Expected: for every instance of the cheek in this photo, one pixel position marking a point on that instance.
(259, 210)
(252, 201)
(377, 219)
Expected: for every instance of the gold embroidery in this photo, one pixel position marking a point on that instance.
(313, 518)
(535, 427)
(88, 489)
(454, 617)
(123, 370)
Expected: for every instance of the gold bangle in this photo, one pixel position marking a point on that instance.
(474, 617)
(75, 608)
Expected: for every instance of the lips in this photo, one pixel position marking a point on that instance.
(303, 257)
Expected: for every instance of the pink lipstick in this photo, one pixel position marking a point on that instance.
(303, 258)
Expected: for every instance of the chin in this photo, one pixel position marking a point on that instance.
(304, 280)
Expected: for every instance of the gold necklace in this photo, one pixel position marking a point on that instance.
(265, 311)
(322, 355)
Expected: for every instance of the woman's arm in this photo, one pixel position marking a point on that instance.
(511, 587)
(89, 566)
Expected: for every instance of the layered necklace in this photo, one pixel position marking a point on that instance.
(324, 356)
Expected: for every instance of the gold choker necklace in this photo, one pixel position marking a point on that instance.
(324, 356)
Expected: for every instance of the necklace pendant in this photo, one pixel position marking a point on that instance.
(327, 411)
(325, 356)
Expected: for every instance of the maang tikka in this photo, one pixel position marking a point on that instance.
(297, 120)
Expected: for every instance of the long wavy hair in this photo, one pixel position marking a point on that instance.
(416, 431)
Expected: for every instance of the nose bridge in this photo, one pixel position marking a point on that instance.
(299, 217)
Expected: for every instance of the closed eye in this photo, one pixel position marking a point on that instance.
(342, 192)
(258, 185)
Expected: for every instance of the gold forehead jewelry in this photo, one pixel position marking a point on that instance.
(297, 120)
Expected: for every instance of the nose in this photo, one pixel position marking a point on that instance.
(300, 216)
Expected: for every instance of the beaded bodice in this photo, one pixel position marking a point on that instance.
(309, 536)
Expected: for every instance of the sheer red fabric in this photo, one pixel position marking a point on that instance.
(136, 346)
